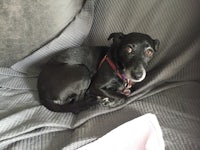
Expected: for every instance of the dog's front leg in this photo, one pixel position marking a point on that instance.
(106, 93)
(112, 98)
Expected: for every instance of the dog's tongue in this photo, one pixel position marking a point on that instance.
(126, 91)
(129, 83)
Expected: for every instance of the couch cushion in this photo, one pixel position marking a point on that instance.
(27, 25)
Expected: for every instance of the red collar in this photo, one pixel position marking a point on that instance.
(112, 65)
(126, 91)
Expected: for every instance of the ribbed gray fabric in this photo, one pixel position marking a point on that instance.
(73, 35)
(170, 90)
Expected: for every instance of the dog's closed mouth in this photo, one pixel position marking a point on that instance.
(135, 76)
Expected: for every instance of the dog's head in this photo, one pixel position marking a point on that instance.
(132, 53)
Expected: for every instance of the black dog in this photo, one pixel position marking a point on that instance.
(80, 77)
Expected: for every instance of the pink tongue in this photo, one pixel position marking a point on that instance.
(130, 84)
(127, 92)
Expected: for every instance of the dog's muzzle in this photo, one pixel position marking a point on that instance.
(136, 75)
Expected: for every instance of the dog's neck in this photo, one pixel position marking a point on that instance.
(113, 56)
(113, 64)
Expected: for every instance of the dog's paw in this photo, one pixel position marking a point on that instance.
(116, 103)
(105, 101)
(112, 102)
(109, 102)
(59, 102)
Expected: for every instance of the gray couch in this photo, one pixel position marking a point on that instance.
(32, 31)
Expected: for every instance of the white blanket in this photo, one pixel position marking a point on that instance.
(143, 133)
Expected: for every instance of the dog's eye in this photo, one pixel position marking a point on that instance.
(128, 49)
(148, 52)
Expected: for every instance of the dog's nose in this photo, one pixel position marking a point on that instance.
(138, 75)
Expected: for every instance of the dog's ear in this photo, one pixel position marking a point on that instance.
(156, 44)
(116, 37)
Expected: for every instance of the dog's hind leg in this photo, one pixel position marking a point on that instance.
(64, 87)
